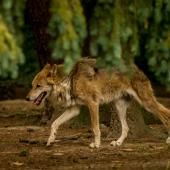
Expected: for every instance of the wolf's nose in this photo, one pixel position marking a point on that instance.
(27, 98)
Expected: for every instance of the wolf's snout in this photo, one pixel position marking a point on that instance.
(27, 98)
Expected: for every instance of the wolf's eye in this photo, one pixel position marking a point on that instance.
(38, 86)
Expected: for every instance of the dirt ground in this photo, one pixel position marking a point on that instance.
(24, 147)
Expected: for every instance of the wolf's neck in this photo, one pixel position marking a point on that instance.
(68, 94)
(66, 82)
(66, 89)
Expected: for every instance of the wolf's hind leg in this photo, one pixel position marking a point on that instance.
(121, 106)
(67, 115)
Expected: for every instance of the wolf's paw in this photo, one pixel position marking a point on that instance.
(168, 140)
(94, 145)
(50, 140)
(116, 143)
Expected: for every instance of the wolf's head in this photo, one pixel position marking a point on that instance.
(42, 84)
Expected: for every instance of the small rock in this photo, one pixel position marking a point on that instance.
(58, 154)
(18, 163)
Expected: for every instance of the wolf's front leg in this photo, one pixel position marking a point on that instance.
(94, 114)
(67, 115)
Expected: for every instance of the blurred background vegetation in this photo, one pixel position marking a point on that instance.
(116, 32)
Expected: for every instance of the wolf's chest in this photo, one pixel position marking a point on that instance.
(64, 99)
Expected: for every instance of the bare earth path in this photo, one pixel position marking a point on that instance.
(24, 148)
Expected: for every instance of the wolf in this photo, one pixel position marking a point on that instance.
(89, 86)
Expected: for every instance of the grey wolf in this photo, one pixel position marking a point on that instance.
(86, 85)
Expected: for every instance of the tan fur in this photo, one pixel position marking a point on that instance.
(86, 85)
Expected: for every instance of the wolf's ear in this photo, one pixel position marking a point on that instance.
(47, 66)
(45, 70)
(53, 71)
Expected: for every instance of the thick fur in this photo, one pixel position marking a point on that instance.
(86, 85)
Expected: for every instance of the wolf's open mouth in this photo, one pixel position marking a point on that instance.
(39, 99)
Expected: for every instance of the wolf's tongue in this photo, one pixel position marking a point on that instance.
(38, 100)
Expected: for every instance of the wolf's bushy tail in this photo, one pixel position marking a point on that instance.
(142, 91)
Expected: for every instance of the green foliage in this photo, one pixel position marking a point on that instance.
(122, 30)
(11, 23)
(158, 42)
(10, 54)
(68, 29)
(12, 12)
(113, 31)
(118, 32)
(104, 30)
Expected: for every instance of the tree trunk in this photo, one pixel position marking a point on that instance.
(37, 15)
(136, 123)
